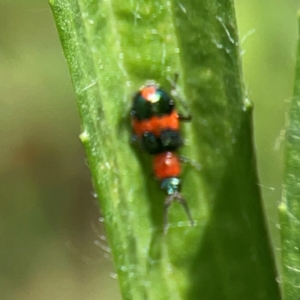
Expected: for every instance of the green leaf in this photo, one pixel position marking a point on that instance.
(112, 47)
(289, 208)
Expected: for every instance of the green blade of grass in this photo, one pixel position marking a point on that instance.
(289, 208)
(112, 47)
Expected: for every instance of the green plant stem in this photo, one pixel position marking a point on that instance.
(112, 47)
(289, 208)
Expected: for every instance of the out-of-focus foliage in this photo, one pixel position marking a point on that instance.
(269, 64)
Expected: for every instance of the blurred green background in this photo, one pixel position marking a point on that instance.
(52, 241)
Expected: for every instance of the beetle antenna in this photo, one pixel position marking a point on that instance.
(169, 200)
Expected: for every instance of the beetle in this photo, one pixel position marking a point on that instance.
(156, 126)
